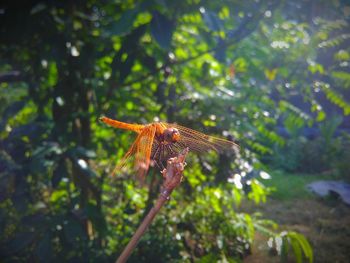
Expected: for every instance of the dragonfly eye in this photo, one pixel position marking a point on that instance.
(175, 135)
(171, 135)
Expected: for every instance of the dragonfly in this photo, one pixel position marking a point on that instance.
(159, 141)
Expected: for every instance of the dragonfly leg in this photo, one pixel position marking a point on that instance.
(158, 155)
(160, 159)
(156, 151)
(171, 149)
(154, 156)
(174, 150)
(161, 156)
(157, 164)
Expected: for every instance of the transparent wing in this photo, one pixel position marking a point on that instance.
(130, 154)
(140, 152)
(200, 142)
(144, 149)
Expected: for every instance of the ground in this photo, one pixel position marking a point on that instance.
(324, 221)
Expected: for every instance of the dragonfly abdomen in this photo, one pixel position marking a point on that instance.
(122, 125)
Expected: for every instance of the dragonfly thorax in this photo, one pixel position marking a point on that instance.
(170, 135)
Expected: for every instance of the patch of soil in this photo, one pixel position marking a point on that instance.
(325, 223)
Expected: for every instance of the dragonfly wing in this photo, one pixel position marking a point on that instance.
(129, 155)
(200, 142)
(140, 151)
(144, 149)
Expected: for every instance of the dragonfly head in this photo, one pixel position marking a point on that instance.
(171, 135)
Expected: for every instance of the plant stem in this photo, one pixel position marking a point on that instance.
(173, 176)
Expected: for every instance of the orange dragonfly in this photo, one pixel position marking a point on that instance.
(159, 141)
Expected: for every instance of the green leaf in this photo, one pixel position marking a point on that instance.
(12, 110)
(162, 29)
(343, 77)
(270, 73)
(124, 25)
(342, 55)
(305, 246)
(315, 67)
(284, 250)
(52, 74)
(296, 249)
(300, 240)
(336, 98)
(212, 21)
(321, 115)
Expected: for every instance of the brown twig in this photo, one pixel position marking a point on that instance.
(172, 178)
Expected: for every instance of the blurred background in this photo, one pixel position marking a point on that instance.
(272, 75)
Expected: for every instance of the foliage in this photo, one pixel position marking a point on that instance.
(286, 240)
(229, 68)
(324, 154)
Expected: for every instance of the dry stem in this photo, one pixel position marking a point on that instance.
(172, 178)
